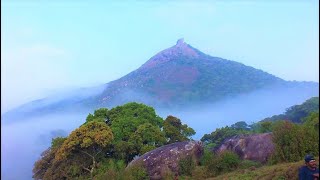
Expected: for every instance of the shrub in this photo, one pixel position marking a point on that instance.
(228, 161)
(293, 142)
(206, 158)
(137, 172)
(224, 162)
(110, 169)
(186, 165)
(245, 164)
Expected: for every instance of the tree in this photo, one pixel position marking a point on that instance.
(46, 160)
(312, 121)
(137, 112)
(220, 134)
(88, 140)
(99, 115)
(311, 130)
(125, 122)
(175, 131)
(294, 141)
(298, 112)
(262, 126)
(147, 137)
(240, 125)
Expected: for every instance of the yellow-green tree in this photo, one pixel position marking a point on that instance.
(45, 162)
(88, 140)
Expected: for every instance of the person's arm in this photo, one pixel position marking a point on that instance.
(316, 175)
(301, 174)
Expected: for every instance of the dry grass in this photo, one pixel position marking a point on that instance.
(285, 171)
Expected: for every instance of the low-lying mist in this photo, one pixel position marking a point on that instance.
(250, 108)
(23, 141)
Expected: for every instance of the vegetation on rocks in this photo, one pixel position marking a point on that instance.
(108, 140)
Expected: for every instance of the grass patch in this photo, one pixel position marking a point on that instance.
(285, 171)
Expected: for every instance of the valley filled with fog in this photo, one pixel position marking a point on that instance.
(22, 141)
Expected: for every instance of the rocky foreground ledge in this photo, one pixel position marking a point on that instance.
(255, 147)
(158, 161)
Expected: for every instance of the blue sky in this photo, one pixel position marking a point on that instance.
(50, 46)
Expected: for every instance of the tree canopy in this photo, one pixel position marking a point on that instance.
(176, 131)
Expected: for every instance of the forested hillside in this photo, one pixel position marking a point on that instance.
(298, 112)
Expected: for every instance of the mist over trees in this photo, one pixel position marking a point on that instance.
(118, 134)
(296, 113)
(110, 139)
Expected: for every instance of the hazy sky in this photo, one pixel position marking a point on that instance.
(49, 46)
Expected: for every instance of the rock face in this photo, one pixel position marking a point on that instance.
(256, 147)
(158, 161)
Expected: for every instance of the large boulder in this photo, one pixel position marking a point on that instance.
(256, 147)
(158, 161)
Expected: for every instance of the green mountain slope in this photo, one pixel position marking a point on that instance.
(182, 74)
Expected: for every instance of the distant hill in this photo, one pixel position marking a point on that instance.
(178, 77)
(297, 112)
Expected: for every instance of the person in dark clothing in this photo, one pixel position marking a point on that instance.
(310, 170)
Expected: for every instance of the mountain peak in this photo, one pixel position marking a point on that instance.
(181, 49)
(180, 42)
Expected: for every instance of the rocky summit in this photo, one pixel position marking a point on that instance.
(255, 147)
(158, 161)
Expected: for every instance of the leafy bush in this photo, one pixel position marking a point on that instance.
(220, 134)
(186, 165)
(137, 172)
(293, 141)
(206, 158)
(224, 162)
(228, 161)
(110, 169)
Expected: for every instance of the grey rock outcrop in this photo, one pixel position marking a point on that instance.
(256, 147)
(158, 161)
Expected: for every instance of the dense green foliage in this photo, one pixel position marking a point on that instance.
(220, 134)
(225, 162)
(186, 166)
(176, 131)
(294, 141)
(107, 141)
(128, 124)
(98, 115)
